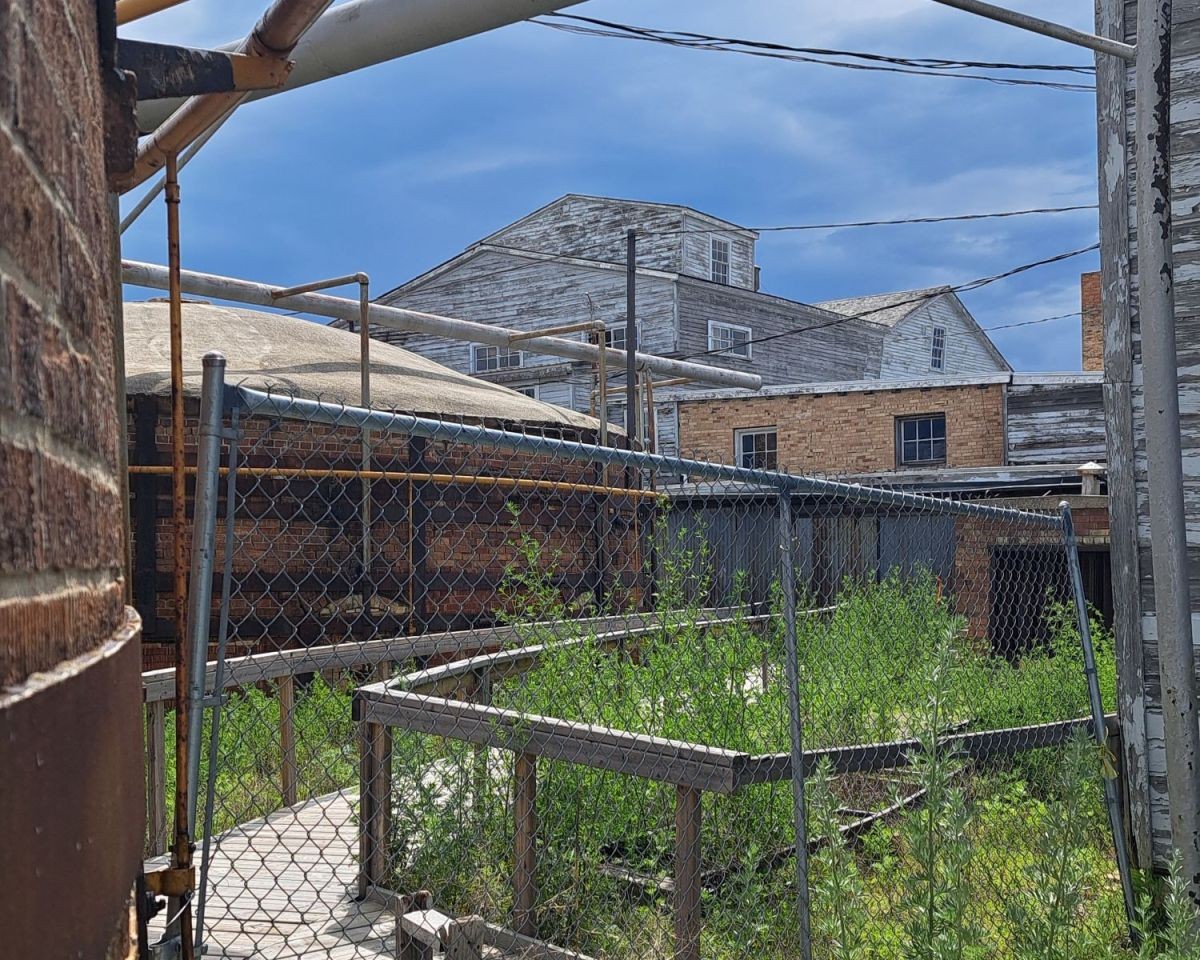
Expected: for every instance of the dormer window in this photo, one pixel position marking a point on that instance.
(720, 260)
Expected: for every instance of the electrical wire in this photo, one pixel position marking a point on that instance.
(925, 67)
(957, 288)
(949, 218)
(579, 253)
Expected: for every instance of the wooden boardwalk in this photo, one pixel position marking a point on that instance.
(284, 887)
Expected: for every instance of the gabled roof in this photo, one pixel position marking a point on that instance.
(485, 247)
(885, 309)
(649, 204)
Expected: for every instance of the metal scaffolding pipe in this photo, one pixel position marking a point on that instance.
(130, 10)
(273, 37)
(362, 33)
(1046, 28)
(216, 287)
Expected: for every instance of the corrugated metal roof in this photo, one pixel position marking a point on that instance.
(885, 309)
(271, 351)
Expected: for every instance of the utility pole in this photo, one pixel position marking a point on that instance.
(631, 344)
(1164, 464)
(1156, 315)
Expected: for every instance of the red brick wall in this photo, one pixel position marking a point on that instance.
(70, 740)
(1092, 322)
(60, 498)
(851, 432)
(296, 545)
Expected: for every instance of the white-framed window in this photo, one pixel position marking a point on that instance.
(530, 391)
(719, 258)
(614, 336)
(729, 338)
(756, 449)
(937, 349)
(921, 440)
(487, 359)
(616, 413)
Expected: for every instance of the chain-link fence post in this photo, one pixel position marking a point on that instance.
(1100, 730)
(204, 534)
(216, 698)
(788, 595)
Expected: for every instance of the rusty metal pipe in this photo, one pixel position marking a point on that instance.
(184, 158)
(364, 364)
(274, 37)
(130, 10)
(446, 479)
(360, 33)
(554, 331)
(182, 852)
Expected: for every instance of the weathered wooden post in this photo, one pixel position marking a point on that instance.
(375, 757)
(687, 873)
(287, 739)
(524, 844)
(156, 778)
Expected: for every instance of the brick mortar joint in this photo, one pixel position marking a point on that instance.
(35, 436)
(37, 586)
(57, 199)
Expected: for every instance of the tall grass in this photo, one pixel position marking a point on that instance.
(1005, 860)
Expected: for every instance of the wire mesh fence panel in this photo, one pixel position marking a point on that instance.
(499, 693)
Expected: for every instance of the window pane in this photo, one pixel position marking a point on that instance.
(922, 439)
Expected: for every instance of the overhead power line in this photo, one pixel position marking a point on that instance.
(850, 59)
(581, 252)
(958, 288)
(949, 218)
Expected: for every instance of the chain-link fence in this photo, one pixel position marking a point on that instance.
(505, 693)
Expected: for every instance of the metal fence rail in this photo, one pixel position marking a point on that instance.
(503, 691)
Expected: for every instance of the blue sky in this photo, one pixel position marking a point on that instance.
(395, 168)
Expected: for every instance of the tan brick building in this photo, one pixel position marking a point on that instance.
(863, 427)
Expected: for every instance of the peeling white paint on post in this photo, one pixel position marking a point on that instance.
(1112, 147)
(1156, 311)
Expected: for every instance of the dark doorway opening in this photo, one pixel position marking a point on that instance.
(1024, 580)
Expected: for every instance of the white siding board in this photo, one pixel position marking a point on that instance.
(907, 347)
(1056, 423)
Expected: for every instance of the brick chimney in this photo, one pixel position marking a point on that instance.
(1092, 321)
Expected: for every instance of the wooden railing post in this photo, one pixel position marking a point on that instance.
(687, 873)
(374, 799)
(287, 739)
(525, 844)
(156, 778)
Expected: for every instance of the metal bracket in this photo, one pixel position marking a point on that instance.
(164, 70)
(171, 881)
(170, 949)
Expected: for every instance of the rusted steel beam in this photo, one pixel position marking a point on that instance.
(273, 38)
(165, 70)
